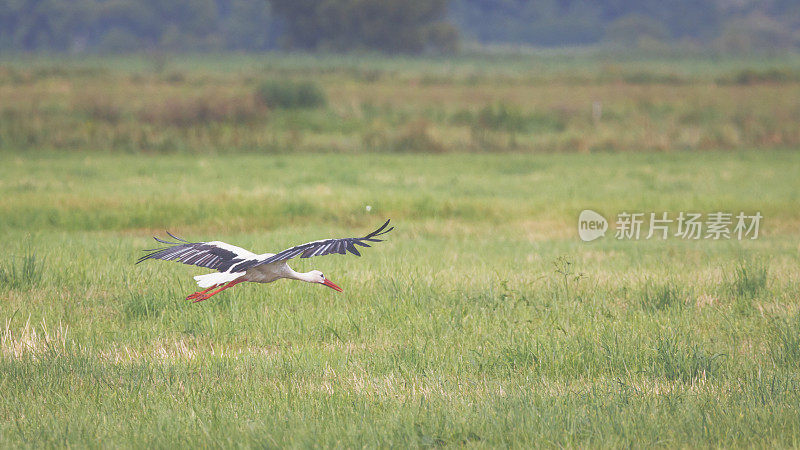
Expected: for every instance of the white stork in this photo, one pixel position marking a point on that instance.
(235, 265)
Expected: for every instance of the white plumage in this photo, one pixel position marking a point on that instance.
(216, 278)
(235, 264)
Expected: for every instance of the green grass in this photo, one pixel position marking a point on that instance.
(22, 272)
(482, 321)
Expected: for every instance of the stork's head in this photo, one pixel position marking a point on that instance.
(318, 277)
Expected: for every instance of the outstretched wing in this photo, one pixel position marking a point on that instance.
(320, 248)
(213, 255)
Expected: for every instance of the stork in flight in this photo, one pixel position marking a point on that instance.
(235, 265)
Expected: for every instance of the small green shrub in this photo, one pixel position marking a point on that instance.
(139, 304)
(415, 137)
(98, 107)
(682, 360)
(652, 78)
(22, 273)
(658, 297)
(203, 110)
(784, 344)
(749, 279)
(754, 76)
(508, 118)
(175, 77)
(287, 94)
(501, 117)
(567, 276)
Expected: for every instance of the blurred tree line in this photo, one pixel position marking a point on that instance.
(126, 25)
(391, 25)
(738, 25)
(175, 25)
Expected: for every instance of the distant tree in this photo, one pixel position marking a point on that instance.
(193, 18)
(37, 24)
(633, 29)
(540, 22)
(249, 25)
(124, 23)
(755, 33)
(577, 22)
(387, 25)
(443, 37)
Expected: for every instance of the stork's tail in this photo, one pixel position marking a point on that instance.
(213, 279)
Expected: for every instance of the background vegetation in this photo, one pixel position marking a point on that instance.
(292, 103)
(737, 26)
(723, 25)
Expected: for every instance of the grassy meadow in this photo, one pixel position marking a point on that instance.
(482, 321)
(539, 104)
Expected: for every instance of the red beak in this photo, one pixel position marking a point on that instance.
(331, 285)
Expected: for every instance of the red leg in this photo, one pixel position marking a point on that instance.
(206, 296)
(197, 294)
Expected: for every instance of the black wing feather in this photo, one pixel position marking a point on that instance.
(319, 248)
(202, 254)
(352, 249)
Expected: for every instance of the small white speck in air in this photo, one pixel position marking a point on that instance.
(369, 208)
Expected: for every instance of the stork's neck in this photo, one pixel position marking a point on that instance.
(302, 276)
